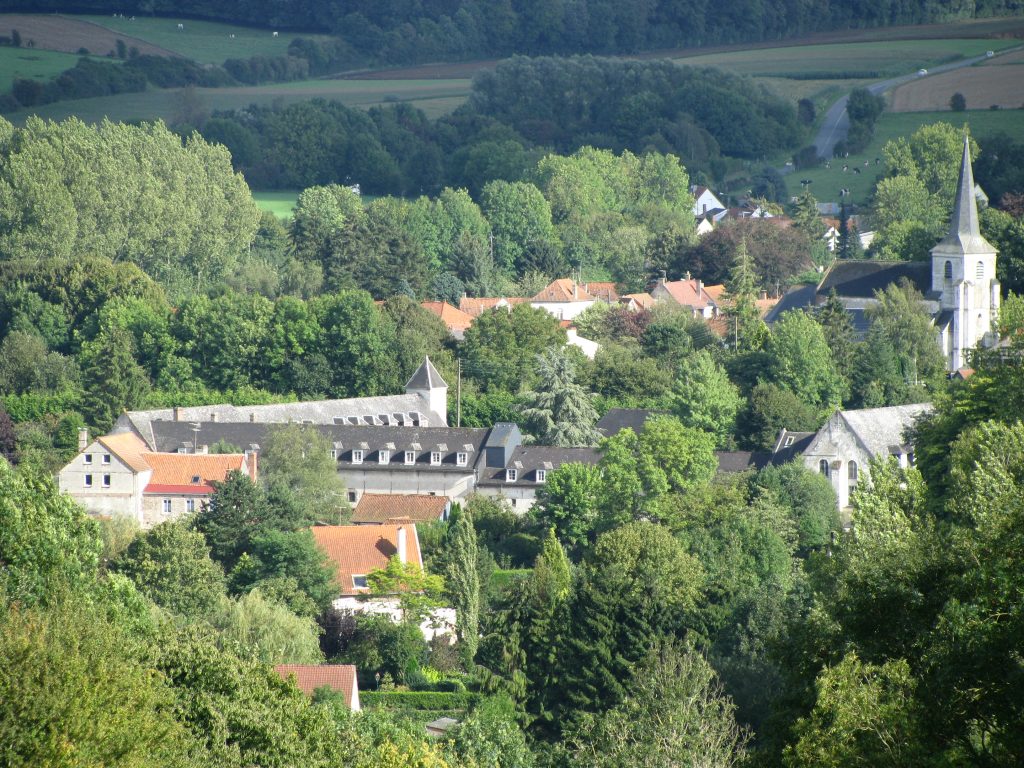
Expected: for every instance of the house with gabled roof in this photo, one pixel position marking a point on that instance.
(356, 550)
(564, 299)
(339, 678)
(526, 471)
(689, 293)
(455, 320)
(704, 200)
(842, 448)
(118, 475)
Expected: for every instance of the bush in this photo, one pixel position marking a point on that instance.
(957, 102)
(433, 700)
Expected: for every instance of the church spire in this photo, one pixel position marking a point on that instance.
(963, 228)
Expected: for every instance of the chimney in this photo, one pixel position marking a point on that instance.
(700, 287)
(83, 439)
(250, 462)
(403, 552)
(204, 449)
(688, 276)
(177, 413)
(575, 291)
(664, 275)
(213, 415)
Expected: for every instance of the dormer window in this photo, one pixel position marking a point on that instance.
(410, 457)
(461, 459)
(359, 582)
(357, 457)
(195, 479)
(789, 441)
(511, 475)
(435, 458)
(383, 457)
(542, 475)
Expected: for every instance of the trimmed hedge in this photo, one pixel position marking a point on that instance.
(419, 700)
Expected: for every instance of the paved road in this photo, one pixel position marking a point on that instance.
(837, 123)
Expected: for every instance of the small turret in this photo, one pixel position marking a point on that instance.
(428, 384)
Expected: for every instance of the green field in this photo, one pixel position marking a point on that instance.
(434, 97)
(204, 41)
(826, 182)
(279, 203)
(31, 63)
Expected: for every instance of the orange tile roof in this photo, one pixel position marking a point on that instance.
(337, 677)
(453, 317)
(642, 300)
(715, 291)
(385, 507)
(128, 447)
(476, 307)
(686, 293)
(563, 289)
(176, 472)
(602, 290)
(359, 549)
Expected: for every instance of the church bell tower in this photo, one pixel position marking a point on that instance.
(964, 275)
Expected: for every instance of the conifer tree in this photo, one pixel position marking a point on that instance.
(111, 378)
(560, 411)
(747, 330)
(463, 583)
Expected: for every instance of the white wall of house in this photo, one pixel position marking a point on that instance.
(160, 507)
(440, 622)
(454, 485)
(563, 310)
(520, 497)
(103, 484)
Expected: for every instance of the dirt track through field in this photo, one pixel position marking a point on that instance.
(1001, 83)
(57, 33)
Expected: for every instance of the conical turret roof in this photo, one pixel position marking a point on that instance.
(426, 377)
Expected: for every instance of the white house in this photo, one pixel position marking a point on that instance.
(704, 200)
(356, 550)
(842, 448)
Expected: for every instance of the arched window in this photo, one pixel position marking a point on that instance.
(823, 467)
(852, 472)
(948, 273)
(979, 271)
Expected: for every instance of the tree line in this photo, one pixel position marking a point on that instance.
(383, 34)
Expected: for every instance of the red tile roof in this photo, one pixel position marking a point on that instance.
(178, 472)
(563, 290)
(603, 290)
(453, 317)
(687, 293)
(642, 300)
(384, 507)
(355, 550)
(337, 677)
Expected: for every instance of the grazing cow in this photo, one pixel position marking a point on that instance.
(181, 26)
(275, 34)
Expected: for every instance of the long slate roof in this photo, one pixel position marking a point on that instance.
(449, 441)
(880, 429)
(527, 459)
(861, 278)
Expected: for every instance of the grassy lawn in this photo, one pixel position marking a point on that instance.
(279, 203)
(435, 97)
(826, 182)
(31, 63)
(207, 42)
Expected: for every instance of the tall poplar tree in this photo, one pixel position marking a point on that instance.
(463, 582)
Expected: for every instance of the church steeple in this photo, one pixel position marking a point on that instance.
(964, 230)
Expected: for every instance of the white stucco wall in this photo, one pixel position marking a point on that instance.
(122, 497)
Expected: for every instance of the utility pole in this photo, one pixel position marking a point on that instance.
(458, 396)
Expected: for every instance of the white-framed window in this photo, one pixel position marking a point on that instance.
(87, 458)
(106, 458)
(357, 457)
(87, 481)
(196, 479)
(359, 582)
(167, 506)
(410, 457)
(511, 475)
(851, 472)
(352, 497)
(461, 459)
(106, 481)
(542, 475)
(190, 505)
(334, 454)
(383, 457)
(823, 467)
(947, 272)
(789, 441)
(435, 458)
